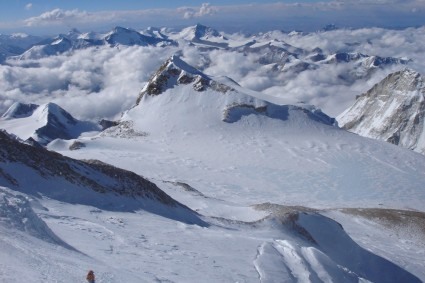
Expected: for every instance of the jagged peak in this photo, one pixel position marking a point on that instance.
(176, 62)
(202, 30)
(176, 71)
(199, 32)
(49, 110)
(406, 81)
(392, 110)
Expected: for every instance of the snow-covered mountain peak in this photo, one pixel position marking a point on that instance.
(204, 31)
(120, 35)
(407, 80)
(19, 110)
(121, 30)
(180, 98)
(154, 32)
(53, 113)
(73, 34)
(43, 123)
(125, 36)
(175, 62)
(392, 110)
(175, 72)
(89, 36)
(199, 32)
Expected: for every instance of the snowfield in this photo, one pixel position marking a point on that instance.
(237, 186)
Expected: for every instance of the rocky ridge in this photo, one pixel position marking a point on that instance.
(393, 110)
(177, 72)
(94, 175)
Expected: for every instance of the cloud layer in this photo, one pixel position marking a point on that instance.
(102, 82)
(205, 10)
(56, 16)
(93, 83)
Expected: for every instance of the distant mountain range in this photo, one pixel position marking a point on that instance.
(283, 56)
(393, 110)
(400, 125)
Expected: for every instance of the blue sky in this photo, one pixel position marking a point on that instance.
(52, 16)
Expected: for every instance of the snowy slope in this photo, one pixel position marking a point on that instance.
(39, 172)
(266, 178)
(227, 153)
(235, 144)
(393, 111)
(289, 245)
(43, 123)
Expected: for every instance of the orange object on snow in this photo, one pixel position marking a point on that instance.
(90, 276)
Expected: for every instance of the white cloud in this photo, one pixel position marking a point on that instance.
(28, 6)
(56, 16)
(205, 10)
(91, 84)
(102, 82)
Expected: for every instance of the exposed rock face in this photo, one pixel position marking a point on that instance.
(105, 124)
(76, 145)
(393, 110)
(94, 175)
(123, 129)
(177, 72)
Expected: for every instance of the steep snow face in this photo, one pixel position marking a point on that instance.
(43, 123)
(393, 111)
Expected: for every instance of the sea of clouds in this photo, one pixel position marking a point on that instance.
(103, 82)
